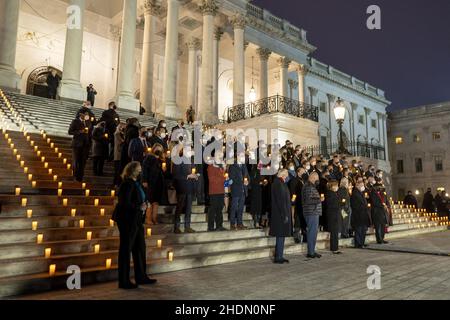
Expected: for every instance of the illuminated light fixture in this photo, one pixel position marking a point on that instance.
(252, 93)
(83, 185)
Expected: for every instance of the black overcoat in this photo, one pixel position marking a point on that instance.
(281, 218)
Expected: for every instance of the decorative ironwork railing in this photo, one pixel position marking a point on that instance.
(273, 104)
(356, 149)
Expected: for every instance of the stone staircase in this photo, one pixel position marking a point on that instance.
(52, 223)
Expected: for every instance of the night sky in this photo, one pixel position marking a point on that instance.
(409, 58)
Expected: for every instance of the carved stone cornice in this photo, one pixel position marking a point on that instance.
(331, 98)
(218, 33)
(208, 7)
(193, 44)
(303, 70)
(313, 91)
(152, 7)
(238, 21)
(263, 53)
(284, 62)
(292, 83)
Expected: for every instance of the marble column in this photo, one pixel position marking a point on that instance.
(367, 113)
(9, 24)
(385, 143)
(354, 107)
(171, 109)
(263, 90)
(71, 88)
(218, 32)
(284, 66)
(125, 91)
(206, 109)
(302, 72)
(292, 86)
(239, 22)
(193, 46)
(152, 10)
(331, 100)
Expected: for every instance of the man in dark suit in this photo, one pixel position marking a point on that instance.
(360, 218)
(91, 93)
(240, 179)
(428, 201)
(184, 179)
(112, 120)
(80, 129)
(378, 213)
(52, 84)
(87, 108)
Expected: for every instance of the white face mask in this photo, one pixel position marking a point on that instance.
(86, 118)
(164, 125)
(163, 135)
(308, 167)
(362, 188)
(292, 168)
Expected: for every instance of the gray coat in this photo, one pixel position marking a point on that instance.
(312, 205)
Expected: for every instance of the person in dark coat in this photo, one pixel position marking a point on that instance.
(100, 143)
(185, 182)
(333, 213)
(87, 108)
(281, 218)
(79, 129)
(360, 219)
(295, 187)
(428, 202)
(312, 210)
(91, 93)
(130, 215)
(153, 180)
(256, 181)
(52, 84)
(138, 147)
(410, 200)
(441, 204)
(345, 211)
(112, 120)
(131, 132)
(239, 182)
(159, 138)
(216, 188)
(378, 213)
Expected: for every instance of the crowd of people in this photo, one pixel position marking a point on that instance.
(306, 194)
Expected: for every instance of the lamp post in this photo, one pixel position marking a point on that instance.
(339, 114)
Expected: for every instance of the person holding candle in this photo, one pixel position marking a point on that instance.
(216, 178)
(333, 212)
(112, 120)
(79, 129)
(119, 139)
(295, 187)
(130, 216)
(360, 218)
(281, 217)
(345, 208)
(99, 148)
(378, 212)
(312, 210)
(238, 184)
(153, 181)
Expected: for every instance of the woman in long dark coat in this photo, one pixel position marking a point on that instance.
(345, 211)
(256, 207)
(281, 218)
(333, 212)
(153, 181)
(100, 147)
(378, 214)
(130, 215)
(360, 218)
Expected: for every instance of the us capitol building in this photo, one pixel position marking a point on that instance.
(237, 64)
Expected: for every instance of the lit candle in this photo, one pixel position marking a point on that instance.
(64, 161)
(34, 225)
(40, 238)
(38, 153)
(25, 170)
(164, 166)
(48, 252)
(111, 223)
(56, 150)
(81, 224)
(65, 202)
(29, 213)
(22, 164)
(52, 269)
(50, 171)
(60, 155)
(159, 243)
(59, 185)
(246, 180)
(170, 256)
(44, 135)
(96, 202)
(28, 138)
(194, 171)
(73, 212)
(55, 178)
(46, 165)
(24, 202)
(33, 184)
(69, 166)
(226, 176)
(17, 191)
(89, 235)
(18, 157)
(97, 248)
(42, 159)
(322, 197)
(343, 200)
(369, 205)
(102, 212)
(48, 140)
(106, 136)
(83, 185)
(294, 197)
(87, 192)
(149, 232)
(113, 193)
(108, 263)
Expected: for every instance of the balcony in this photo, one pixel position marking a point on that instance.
(270, 105)
(356, 149)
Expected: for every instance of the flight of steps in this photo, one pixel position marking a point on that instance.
(23, 265)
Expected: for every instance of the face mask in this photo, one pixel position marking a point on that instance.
(355, 165)
(163, 135)
(362, 188)
(86, 118)
(291, 168)
(163, 125)
(308, 167)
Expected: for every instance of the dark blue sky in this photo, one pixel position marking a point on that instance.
(409, 58)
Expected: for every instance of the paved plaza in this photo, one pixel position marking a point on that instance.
(403, 276)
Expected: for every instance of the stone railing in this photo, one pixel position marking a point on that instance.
(356, 149)
(274, 104)
(276, 22)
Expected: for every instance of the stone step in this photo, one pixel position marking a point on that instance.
(36, 200)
